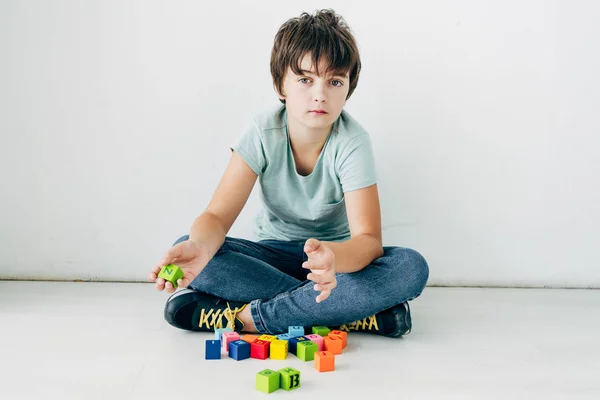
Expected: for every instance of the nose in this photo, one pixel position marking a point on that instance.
(319, 95)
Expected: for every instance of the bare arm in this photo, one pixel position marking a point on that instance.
(230, 197)
(364, 220)
(208, 231)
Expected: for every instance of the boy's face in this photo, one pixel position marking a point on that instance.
(308, 92)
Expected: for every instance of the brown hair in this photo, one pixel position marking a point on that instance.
(324, 34)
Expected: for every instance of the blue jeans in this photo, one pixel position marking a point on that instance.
(268, 275)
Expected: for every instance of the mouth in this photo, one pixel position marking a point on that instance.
(318, 112)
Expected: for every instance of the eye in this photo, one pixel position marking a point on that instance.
(338, 81)
(303, 80)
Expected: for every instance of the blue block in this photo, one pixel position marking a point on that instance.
(219, 332)
(295, 331)
(284, 336)
(213, 350)
(239, 350)
(293, 343)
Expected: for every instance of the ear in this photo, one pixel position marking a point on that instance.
(281, 96)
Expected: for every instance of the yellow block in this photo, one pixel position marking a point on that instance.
(279, 349)
(267, 338)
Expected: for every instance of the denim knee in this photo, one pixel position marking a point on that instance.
(413, 270)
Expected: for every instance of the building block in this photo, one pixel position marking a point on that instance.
(213, 350)
(284, 336)
(219, 332)
(239, 350)
(268, 381)
(267, 338)
(324, 361)
(306, 350)
(171, 273)
(259, 349)
(317, 339)
(321, 330)
(296, 331)
(249, 338)
(333, 344)
(293, 342)
(279, 349)
(290, 378)
(342, 335)
(229, 337)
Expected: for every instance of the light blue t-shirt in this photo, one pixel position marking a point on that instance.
(296, 207)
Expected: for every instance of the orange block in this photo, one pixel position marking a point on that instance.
(333, 344)
(343, 335)
(249, 338)
(324, 361)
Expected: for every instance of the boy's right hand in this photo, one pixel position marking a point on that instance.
(189, 256)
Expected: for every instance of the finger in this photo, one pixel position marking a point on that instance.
(171, 255)
(169, 287)
(312, 245)
(323, 296)
(316, 266)
(317, 278)
(325, 286)
(182, 282)
(160, 284)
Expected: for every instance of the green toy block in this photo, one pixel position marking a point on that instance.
(306, 350)
(290, 378)
(171, 273)
(321, 330)
(267, 381)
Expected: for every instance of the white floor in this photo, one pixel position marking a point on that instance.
(109, 341)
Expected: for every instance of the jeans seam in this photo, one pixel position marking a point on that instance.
(256, 316)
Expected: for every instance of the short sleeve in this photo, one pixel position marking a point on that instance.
(356, 164)
(250, 147)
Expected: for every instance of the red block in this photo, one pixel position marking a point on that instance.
(259, 349)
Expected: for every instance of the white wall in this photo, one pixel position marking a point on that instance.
(115, 120)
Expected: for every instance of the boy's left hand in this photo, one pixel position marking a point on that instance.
(321, 262)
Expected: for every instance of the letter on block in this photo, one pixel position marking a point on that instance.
(333, 344)
(284, 336)
(249, 338)
(317, 339)
(213, 350)
(259, 349)
(293, 342)
(279, 349)
(296, 331)
(324, 361)
(267, 338)
(229, 337)
(219, 332)
(290, 378)
(268, 381)
(239, 350)
(342, 335)
(321, 330)
(171, 273)
(306, 350)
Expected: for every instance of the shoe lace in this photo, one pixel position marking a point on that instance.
(365, 324)
(216, 316)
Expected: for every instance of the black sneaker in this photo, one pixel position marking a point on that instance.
(196, 311)
(393, 322)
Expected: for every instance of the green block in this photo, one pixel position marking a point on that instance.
(171, 273)
(321, 330)
(306, 350)
(267, 381)
(290, 378)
